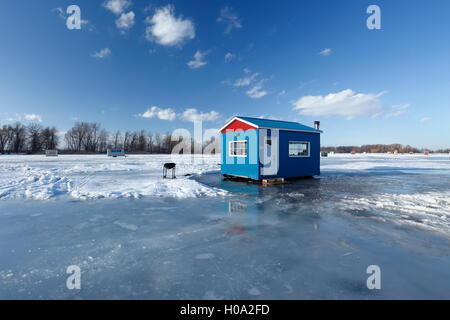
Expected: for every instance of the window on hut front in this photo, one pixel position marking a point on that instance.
(298, 149)
(238, 148)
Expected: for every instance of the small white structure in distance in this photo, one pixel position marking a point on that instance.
(51, 153)
(116, 152)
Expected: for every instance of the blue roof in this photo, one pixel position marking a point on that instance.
(278, 124)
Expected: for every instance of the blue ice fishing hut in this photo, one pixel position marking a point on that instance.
(261, 149)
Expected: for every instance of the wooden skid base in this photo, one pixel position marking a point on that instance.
(264, 182)
(269, 182)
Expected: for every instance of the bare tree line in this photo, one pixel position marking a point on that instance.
(17, 138)
(86, 137)
(90, 137)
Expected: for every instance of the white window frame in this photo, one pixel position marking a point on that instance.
(238, 156)
(309, 149)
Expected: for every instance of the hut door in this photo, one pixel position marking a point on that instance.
(269, 152)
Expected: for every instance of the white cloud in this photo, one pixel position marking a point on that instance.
(198, 61)
(230, 19)
(60, 13)
(193, 115)
(33, 117)
(246, 81)
(229, 56)
(305, 84)
(117, 6)
(22, 117)
(125, 21)
(279, 95)
(346, 103)
(396, 111)
(168, 30)
(162, 114)
(103, 53)
(257, 91)
(425, 119)
(326, 52)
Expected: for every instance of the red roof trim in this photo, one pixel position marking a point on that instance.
(238, 125)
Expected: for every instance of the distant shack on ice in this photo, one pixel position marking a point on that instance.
(51, 153)
(116, 152)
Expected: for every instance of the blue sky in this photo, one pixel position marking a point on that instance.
(158, 65)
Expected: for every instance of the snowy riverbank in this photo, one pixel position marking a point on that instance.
(97, 176)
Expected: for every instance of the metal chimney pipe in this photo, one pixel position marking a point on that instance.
(317, 125)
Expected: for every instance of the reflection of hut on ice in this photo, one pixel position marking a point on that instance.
(236, 206)
(243, 217)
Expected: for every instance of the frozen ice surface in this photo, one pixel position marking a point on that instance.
(137, 236)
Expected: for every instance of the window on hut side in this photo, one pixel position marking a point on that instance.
(298, 149)
(238, 148)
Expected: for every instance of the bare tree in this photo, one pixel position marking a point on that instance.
(18, 137)
(50, 138)
(126, 141)
(150, 142)
(90, 141)
(75, 137)
(141, 141)
(34, 137)
(157, 145)
(102, 144)
(88, 137)
(5, 138)
(117, 140)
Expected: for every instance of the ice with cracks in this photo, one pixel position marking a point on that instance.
(136, 235)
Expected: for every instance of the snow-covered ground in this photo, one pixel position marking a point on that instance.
(97, 176)
(135, 235)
